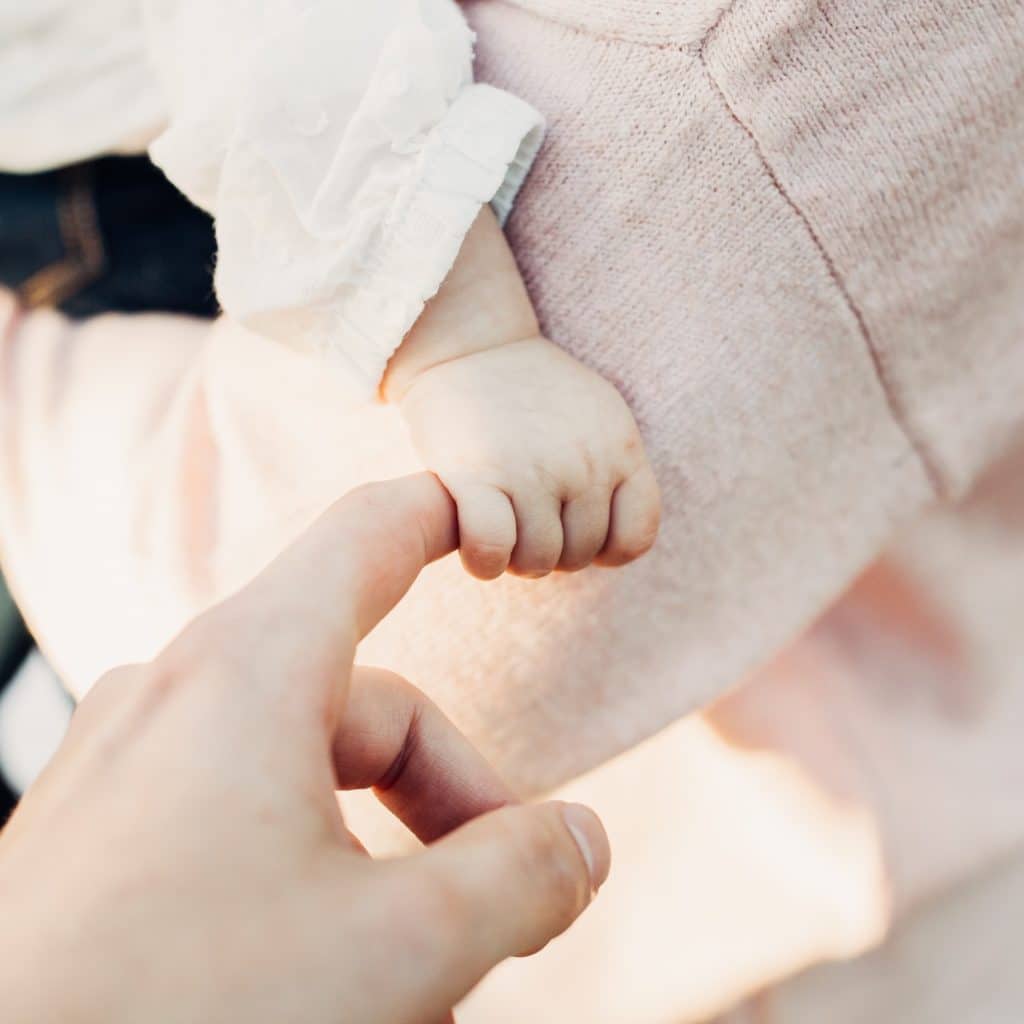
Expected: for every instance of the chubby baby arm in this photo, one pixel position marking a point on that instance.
(541, 455)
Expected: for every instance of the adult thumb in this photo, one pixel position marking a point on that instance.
(505, 884)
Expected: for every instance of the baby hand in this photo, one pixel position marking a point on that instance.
(541, 455)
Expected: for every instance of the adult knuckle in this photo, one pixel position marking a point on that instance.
(202, 651)
(114, 684)
(116, 707)
(111, 692)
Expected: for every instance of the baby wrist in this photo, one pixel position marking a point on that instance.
(481, 305)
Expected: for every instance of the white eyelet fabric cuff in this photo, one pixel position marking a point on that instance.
(480, 152)
(344, 154)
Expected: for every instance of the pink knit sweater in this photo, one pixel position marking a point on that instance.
(793, 233)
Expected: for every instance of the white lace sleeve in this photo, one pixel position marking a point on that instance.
(343, 150)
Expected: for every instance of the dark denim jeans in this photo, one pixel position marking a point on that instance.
(108, 235)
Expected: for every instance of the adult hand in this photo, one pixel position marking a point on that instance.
(184, 858)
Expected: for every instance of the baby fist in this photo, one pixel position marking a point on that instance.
(542, 457)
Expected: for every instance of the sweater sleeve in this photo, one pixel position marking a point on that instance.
(344, 150)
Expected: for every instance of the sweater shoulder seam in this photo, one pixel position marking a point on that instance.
(897, 410)
(692, 46)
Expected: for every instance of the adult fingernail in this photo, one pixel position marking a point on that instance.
(586, 828)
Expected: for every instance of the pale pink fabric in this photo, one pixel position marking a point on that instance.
(793, 233)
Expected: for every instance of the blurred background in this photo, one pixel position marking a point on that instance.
(34, 707)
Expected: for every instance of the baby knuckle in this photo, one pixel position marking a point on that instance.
(573, 563)
(637, 545)
(486, 562)
(489, 550)
(580, 557)
(607, 392)
(647, 530)
(533, 569)
(642, 544)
